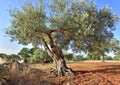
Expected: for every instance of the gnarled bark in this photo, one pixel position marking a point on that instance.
(60, 64)
(55, 52)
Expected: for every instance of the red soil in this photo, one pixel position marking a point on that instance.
(91, 73)
(96, 74)
(87, 73)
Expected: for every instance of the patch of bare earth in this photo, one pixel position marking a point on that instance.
(96, 74)
(87, 73)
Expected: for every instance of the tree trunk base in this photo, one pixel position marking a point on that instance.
(62, 72)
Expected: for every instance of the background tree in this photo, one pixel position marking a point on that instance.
(93, 56)
(24, 53)
(4, 56)
(103, 32)
(32, 50)
(117, 56)
(76, 25)
(69, 56)
(14, 57)
(115, 44)
(108, 58)
(78, 58)
(39, 55)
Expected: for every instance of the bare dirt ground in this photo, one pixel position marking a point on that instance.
(97, 74)
(87, 73)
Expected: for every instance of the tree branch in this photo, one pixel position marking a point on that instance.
(47, 48)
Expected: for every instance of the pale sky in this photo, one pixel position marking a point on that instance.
(8, 47)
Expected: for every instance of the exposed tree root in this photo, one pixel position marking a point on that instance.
(62, 72)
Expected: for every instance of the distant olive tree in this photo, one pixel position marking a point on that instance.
(39, 55)
(78, 58)
(69, 57)
(14, 57)
(93, 56)
(24, 53)
(108, 58)
(5, 56)
(116, 48)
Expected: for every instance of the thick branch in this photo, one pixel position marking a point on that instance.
(51, 41)
(47, 48)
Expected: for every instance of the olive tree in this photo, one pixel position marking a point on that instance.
(40, 55)
(24, 53)
(61, 24)
(115, 44)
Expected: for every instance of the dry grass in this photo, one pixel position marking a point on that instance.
(34, 77)
(70, 64)
(40, 66)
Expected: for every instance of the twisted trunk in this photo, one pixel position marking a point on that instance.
(60, 64)
(55, 52)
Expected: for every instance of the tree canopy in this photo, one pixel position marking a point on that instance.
(76, 24)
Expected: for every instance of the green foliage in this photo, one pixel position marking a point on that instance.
(69, 57)
(9, 57)
(115, 44)
(80, 25)
(117, 56)
(32, 50)
(24, 53)
(108, 58)
(3, 55)
(14, 57)
(39, 55)
(27, 22)
(78, 58)
(93, 56)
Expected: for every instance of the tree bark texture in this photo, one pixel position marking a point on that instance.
(55, 52)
